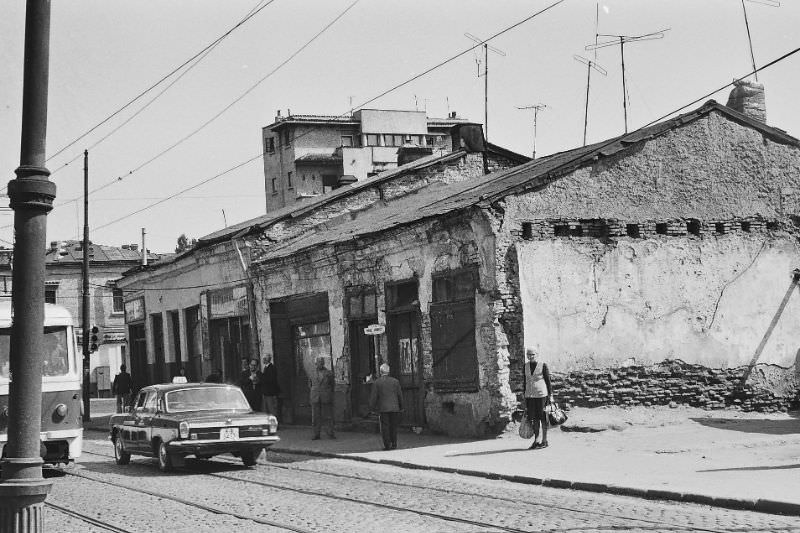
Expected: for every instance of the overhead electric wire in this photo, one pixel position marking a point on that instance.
(253, 12)
(384, 93)
(230, 105)
(566, 163)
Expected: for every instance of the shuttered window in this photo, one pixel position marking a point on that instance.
(455, 359)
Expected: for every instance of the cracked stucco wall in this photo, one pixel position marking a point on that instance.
(705, 301)
(417, 252)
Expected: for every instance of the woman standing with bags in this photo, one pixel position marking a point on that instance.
(538, 393)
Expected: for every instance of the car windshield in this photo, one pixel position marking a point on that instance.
(205, 399)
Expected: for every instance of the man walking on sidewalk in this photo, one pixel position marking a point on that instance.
(386, 398)
(322, 386)
(122, 388)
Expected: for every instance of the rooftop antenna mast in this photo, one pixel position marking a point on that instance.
(622, 40)
(536, 108)
(486, 49)
(771, 3)
(590, 66)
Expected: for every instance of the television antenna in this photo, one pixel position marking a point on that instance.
(622, 40)
(590, 66)
(486, 49)
(536, 108)
(771, 3)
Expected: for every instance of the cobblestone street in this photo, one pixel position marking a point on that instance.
(297, 493)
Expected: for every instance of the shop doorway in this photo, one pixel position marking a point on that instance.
(138, 366)
(300, 333)
(405, 355)
(361, 312)
(230, 343)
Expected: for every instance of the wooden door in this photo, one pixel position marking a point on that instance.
(405, 359)
(362, 364)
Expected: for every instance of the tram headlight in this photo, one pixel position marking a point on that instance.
(61, 410)
(184, 430)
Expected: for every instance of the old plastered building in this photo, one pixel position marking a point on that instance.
(645, 269)
(198, 310)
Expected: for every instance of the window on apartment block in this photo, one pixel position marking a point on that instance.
(455, 357)
(289, 179)
(287, 137)
(50, 290)
(347, 140)
(372, 139)
(274, 185)
(269, 145)
(119, 303)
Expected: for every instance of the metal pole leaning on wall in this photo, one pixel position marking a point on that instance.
(768, 333)
(22, 488)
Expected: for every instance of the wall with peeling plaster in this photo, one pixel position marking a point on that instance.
(706, 301)
(418, 251)
(725, 197)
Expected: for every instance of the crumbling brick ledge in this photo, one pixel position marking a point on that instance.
(769, 388)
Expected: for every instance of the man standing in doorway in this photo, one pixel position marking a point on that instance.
(322, 385)
(269, 385)
(386, 398)
(122, 388)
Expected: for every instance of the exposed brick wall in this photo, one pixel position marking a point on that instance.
(676, 382)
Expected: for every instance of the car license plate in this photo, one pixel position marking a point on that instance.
(229, 433)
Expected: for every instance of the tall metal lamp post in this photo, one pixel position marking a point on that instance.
(22, 487)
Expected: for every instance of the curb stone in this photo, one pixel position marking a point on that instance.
(760, 505)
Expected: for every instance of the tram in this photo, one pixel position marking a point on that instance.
(62, 426)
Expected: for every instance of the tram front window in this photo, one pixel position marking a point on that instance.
(56, 356)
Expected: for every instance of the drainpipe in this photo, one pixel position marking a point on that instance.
(251, 292)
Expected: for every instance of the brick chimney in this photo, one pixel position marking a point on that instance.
(747, 97)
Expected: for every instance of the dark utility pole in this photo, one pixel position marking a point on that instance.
(87, 415)
(23, 489)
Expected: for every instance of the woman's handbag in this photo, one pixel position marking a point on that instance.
(526, 427)
(555, 415)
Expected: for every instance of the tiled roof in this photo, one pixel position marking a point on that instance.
(440, 199)
(72, 252)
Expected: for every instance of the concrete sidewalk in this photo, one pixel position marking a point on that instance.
(723, 458)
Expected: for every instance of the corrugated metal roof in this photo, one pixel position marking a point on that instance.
(440, 199)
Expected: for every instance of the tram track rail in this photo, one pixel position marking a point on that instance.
(86, 518)
(640, 524)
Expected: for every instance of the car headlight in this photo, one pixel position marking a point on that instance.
(61, 410)
(273, 424)
(184, 430)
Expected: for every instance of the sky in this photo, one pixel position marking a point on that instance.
(185, 158)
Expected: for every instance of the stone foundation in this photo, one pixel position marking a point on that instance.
(768, 388)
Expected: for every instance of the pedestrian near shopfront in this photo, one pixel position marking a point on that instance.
(250, 382)
(269, 385)
(386, 398)
(122, 387)
(322, 385)
(538, 393)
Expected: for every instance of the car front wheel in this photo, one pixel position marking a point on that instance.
(249, 457)
(120, 455)
(164, 458)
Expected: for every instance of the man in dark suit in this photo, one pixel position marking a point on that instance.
(322, 385)
(386, 398)
(122, 387)
(269, 385)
